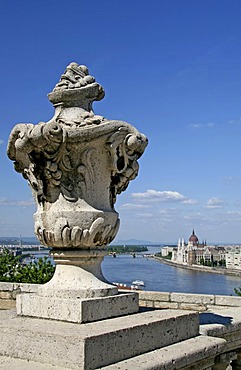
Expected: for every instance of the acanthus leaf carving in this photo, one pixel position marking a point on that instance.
(63, 235)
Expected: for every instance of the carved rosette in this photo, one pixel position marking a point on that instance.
(76, 164)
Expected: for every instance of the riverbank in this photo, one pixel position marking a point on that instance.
(213, 270)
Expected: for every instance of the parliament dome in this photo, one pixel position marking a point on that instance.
(193, 238)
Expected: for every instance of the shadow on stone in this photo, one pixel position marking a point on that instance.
(207, 318)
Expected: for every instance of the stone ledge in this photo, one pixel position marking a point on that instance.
(7, 286)
(154, 296)
(221, 300)
(12, 289)
(199, 352)
(223, 323)
(165, 305)
(192, 298)
(92, 345)
(192, 306)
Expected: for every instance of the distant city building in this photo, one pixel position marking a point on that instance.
(233, 257)
(165, 251)
(195, 253)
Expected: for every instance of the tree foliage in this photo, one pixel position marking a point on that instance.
(37, 272)
(126, 249)
(238, 291)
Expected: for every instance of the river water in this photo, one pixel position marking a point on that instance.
(164, 278)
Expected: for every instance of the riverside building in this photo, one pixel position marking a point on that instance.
(233, 257)
(195, 253)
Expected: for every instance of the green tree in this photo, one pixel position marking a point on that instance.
(126, 249)
(11, 270)
(8, 266)
(238, 291)
(222, 263)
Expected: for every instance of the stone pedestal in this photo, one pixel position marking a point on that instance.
(77, 310)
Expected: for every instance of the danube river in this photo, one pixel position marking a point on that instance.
(164, 278)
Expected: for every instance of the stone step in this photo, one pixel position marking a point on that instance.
(9, 363)
(195, 353)
(92, 345)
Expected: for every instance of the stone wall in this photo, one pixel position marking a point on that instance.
(8, 292)
(184, 301)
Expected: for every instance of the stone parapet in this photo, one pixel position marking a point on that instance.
(192, 298)
(14, 288)
(195, 302)
(221, 300)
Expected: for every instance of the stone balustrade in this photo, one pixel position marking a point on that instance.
(220, 329)
(150, 299)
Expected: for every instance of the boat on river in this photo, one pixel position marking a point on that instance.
(138, 282)
(122, 286)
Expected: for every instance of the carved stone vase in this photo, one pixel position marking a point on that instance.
(76, 164)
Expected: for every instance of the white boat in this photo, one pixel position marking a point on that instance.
(138, 282)
(122, 286)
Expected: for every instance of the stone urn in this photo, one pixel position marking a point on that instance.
(76, 164)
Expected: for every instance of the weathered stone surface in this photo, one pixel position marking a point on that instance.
(77, 310)
(154, 296)
(223, 323)
(227, 301)
(7, 304)
(26, 288)
(8, 363)
(73, 282)
(149, 304)
(192, 298)
(18, 287)
(192, 306)
(93, 345)
(6, 286)
(171, 305)
(198, 353)
(5, 295)
(199, 302)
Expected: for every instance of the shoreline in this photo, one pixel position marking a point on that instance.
(211, 270)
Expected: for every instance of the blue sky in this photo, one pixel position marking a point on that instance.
(172, 69)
